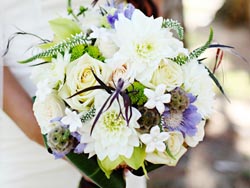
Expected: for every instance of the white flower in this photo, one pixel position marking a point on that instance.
(111, 136)
(91, 18)
(125, 73)
(157, 98)
(198, 82)
(79, 76)
(193, 141)
(175, 142)
(155, 140)
(44, 88)
(143, 40)
(104, 41)
(50, 75)
(53, 72)
(164, 158)
(72, 119)
(52, 107)
(168, 73)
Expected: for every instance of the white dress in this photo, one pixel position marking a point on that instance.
(23, 163)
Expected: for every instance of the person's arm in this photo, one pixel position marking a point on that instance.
(18, 105)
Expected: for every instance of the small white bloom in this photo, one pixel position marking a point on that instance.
(72, 119)
(155, 140)
(44, 89)
(157, 98)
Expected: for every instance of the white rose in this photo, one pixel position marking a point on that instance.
(168, 73)
(163, 158)
(175, 142)
(192, 141)
(45, 111)
(123, 72)
(104, 41)
(79, 76)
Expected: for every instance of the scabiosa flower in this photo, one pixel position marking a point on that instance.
(148, 119)
(60, 141)
(184, 120)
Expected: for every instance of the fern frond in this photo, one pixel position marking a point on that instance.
(197, 52)
(69, 43)
(173, 24)
(89, 115)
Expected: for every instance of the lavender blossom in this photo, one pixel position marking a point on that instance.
(184, 121)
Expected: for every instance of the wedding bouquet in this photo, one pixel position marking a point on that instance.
(117, 90)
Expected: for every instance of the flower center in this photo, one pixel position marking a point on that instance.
(113, 121)
(173, 120)
(143, 49)
(86, 76)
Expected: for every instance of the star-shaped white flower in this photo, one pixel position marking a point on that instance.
(157, 98)
(72, 119)
(155, 140)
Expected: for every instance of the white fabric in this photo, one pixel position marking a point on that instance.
(23, 163)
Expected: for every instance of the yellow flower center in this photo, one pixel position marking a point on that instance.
(143, 49)
(113, 121)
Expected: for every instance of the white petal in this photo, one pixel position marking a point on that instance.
(165, 98)
(160, 89)
(150, 104)
(155, 131)
(149, 93)
(146, 138)
(160, 146)
(163, 136)
(150, 148)
(160, 107)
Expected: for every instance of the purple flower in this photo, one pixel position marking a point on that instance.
(127, 11)
(80, 148)
(184, 121)
(59, 155)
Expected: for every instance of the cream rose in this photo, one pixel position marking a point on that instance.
(175, 142)
(48, 109)
(163, 158)
(123, 72)
(168, 73)
(79, 76)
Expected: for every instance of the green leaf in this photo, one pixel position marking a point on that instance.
(108, 166)
(217, 83)
(173, 24)
(90, 167)
(137, 158)
(70, 43)
(64, 28)
(197, 52)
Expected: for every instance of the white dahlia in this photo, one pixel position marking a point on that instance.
(111, 136)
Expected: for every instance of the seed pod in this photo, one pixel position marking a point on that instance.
(149, 118)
